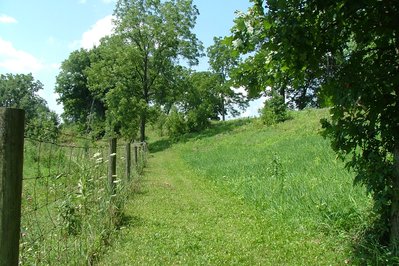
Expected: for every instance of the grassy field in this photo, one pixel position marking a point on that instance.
(241, 193)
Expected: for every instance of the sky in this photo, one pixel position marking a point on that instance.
(36, 36)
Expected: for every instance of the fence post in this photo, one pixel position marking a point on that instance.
(112, 165)
(128, 161)
(11, 166)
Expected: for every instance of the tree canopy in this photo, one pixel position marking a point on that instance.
(264, 67)
(80, 105)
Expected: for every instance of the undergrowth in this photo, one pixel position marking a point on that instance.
(69, 216)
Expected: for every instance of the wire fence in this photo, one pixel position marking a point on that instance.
(71, 202)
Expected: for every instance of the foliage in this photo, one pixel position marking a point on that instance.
(20, 91)
(222, 60)
(200, 102)
(263, 66)
(197, 104)
(80, 105)
(175, 124)
(274, 111)
(140, 59)
(351, 48)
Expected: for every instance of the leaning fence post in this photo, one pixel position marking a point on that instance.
(11, 166)
(128, 161)
(112, 165)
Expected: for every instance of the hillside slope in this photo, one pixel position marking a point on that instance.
(244, 194)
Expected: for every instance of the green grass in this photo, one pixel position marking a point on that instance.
(241, 193)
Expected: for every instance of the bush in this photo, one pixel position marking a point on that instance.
(175, 125)
(274, 111)
(197, 120)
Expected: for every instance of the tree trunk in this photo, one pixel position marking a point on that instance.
(394, 230)
(142, 128)
(394, 226)
(223, 109)
(145, 97)
(282, 92)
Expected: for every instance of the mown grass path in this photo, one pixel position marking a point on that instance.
(178, 218)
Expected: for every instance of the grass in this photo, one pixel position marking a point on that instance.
(241, 193)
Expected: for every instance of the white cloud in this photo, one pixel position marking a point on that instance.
(108, 1)
(82, 1)
(91, 38)
(17, 61)
(7, 19)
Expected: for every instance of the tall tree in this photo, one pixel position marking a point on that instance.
(222, 60)
(150, 38)
(357, 43)
(80, 105)
(201, 101)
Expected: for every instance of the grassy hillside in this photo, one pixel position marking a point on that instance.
(241, 193)
(290, 173)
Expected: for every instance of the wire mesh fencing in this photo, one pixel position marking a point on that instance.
(69, 207)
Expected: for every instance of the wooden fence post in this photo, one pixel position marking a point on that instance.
(11, 167)
(112, 165)
(128, 161)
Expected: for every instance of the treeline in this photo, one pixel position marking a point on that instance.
(143, 74)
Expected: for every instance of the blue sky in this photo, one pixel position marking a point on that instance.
(36, 36)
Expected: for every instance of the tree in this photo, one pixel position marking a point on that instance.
(20, 91)
(352, 48)
(80, 105)
(150, 38)
(201, 100)
(222, 59)
(263, 66)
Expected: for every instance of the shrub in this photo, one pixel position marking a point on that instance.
(274, 111)
(197, 120)
(175, 125)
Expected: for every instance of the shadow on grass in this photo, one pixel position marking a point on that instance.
(372, 247)
(130, 221)
(160, 145)
(216, 128)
